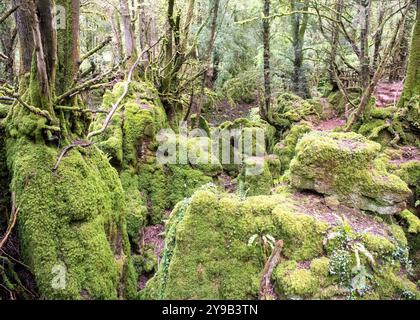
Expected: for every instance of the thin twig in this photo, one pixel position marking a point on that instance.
(121, 98)
(68, 148)
(9, 228)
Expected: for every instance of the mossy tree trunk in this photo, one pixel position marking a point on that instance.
(412, 80)
(71, 223)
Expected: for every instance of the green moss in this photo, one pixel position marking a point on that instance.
(382, 113)
(303, 235)
(71, 220)
(201, 157)
(395, 287)
(131, 135)
(256, 177)
(4, 180)
(339, 102)
(293, 282)
(135, 209)
(378, 244)
(289, 109)
(412, 220)
(344, 164)
(409, 172)
(285, 149)
(198, 122)
(208, 254)
(398, 234)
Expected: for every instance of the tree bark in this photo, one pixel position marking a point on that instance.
(266, 26)
(412, 80)
(129, 42)
(299, 24)
(26, 40)
(69, 46)
(365, 7)
(208, 75)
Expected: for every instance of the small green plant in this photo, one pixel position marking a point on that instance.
(241, 191)
(349, 250)
(401, 254)
(266, 243)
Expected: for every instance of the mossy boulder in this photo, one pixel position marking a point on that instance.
(290, 109)
(130, 137)
(412, 221)
(346, 165)
(256, 178)
(409, 172)
(293, 282)
(243, 138)
(71, 223)
(339, 101)
(212, 251)
(285, 149)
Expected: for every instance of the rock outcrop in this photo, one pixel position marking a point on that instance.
(346, 165)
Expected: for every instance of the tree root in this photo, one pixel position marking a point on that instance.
(265, 290)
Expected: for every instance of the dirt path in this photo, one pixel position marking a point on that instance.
(388, 93)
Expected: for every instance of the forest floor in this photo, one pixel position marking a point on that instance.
(224, 111)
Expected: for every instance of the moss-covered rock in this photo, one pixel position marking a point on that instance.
(212, 251)
(290, 109)
(71, 222)
(293, 282)
(131, 135)
(339, 101)
(345, 165)
(412, 221)
(285, 149)
(241, 136)
(409, 172)
(256, 178)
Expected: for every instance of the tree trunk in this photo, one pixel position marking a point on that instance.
(69, 46)
(378, 38)
(129, 41)
(365, 8)
(118, 52)
(26, 41)
(412, 80)
(267, 56)
(299, 25)
(8, 41)
(208, 75)
(334, 46)
(71, 222)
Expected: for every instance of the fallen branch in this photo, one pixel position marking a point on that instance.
(84, 86)
(96, 49)
(3, 56)
(64, 108)
(77, 143)
(265, 290)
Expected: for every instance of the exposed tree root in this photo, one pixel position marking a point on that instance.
(265, 286)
